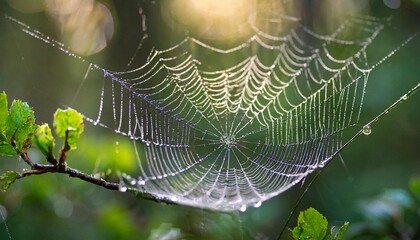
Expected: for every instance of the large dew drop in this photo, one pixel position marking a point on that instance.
(257, 204)
(122, 188)
(367, 130)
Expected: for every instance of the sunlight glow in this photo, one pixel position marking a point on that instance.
(217, 20)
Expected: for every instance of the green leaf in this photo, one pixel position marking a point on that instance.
(6, 149)
(44, 140)
(3, 111)
(340, 231)
(69, 121)
(6, 179)
(20, 124)
(311, 225)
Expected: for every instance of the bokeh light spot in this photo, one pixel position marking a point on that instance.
(85, 26)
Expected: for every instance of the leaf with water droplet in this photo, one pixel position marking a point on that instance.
(7, 179)
(69, 121)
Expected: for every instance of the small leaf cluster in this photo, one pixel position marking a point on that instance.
(68, 125)
(313, 225)
(18, 132)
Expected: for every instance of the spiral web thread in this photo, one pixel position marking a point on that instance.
(228, 128)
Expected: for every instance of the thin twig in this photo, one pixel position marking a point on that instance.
(26, 158)
(63, 156)
(38, 169)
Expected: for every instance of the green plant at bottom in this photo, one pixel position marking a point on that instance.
(313, 225)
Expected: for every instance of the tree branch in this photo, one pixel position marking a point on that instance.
(39, 169)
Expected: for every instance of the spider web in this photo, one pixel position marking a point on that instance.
(235, 136)
(228, 128)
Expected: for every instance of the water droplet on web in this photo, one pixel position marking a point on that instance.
(174, 198)
(3, 214)
(367, 130)
(141, 182)
(133, 182)
(201, 225)
(242, 208)
(257, 204)
(404, 97)
(321, 164)
(122, 187)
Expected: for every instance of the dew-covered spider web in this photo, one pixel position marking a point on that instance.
(228, 126)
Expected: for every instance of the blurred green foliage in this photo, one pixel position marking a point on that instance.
(393, 214)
